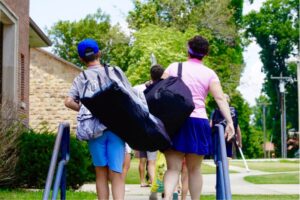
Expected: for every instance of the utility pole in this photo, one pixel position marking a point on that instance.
(282, 82)
(298, 79)
(264, 125)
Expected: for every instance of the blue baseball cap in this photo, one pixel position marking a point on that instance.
(87, 47)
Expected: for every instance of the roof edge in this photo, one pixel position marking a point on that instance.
(37, 29)
(58, 58)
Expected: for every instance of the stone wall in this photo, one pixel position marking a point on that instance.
(50, 80)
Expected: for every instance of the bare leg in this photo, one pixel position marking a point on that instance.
(126, 165)
(151, 169)
(117, 185)
(184, 182)
(142, 165)
(193, 163)
(174, 164)
(102, 182)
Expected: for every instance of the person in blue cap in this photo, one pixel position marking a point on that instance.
(107, 150)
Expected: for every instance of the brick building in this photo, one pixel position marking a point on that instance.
(18, 33)
(50, 80)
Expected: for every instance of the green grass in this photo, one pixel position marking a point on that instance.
(28, 195)
(208, 169)
(270, 166)
(255, 197)
(71, 195)
(133, 176)
(290, 161)
(283, 178)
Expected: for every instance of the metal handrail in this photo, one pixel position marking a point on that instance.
(220, 158)
(62, 145)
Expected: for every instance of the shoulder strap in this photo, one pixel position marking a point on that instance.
(118, 74)
(99, 81)
(84, 75)
(179, 70)
(85, 86)
(107, 70)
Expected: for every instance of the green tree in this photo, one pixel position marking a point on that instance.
(66, 35)
(276, 29)
(220, 17)
(214, 19)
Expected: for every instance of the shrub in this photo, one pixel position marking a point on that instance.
(35, 151)
(11, 127)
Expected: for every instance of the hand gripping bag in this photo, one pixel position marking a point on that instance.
(122, 113)
(171, 101)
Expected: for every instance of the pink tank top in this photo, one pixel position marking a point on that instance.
(198, 78)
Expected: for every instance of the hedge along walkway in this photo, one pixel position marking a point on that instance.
(238, 185)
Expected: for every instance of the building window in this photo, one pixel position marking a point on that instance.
(22, 77)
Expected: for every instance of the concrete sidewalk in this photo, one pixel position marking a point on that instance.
(238, 186)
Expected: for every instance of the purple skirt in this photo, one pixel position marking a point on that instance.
(194, 137)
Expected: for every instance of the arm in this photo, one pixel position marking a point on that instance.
(70, 103)
(217, 92)
(211, 118)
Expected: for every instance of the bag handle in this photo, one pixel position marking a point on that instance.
(179, 70)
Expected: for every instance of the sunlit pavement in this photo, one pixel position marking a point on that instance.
(238, 185)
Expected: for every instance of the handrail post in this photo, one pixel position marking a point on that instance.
(65, 151)
(223, 182)
(53, 162)
(63, 133)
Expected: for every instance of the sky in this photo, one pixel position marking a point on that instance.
(46, 12)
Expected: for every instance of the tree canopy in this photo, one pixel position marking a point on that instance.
(163, 27)
(276, 29)
(66, 35)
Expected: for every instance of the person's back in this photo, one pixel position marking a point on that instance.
(193, 141)
(146, 157)
(107, 150)
(198, 78)
(218, 118)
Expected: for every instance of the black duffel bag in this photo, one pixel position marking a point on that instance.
(171, 101)
(124, 115)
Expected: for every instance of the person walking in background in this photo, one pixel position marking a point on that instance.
(126, 164)
(216, 117)
(148, 158)
(145, 157)
(184, 182)
(193, 141)
(107, 150)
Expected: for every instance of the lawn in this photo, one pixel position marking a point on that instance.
(71, 195)
(255, 197)
(269, 166)
(26, 195)
(133, 173)
(282, 178)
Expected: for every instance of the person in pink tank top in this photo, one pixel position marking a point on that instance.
(193, 141)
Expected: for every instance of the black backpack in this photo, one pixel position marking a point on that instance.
(121, 113)
(171, 101)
